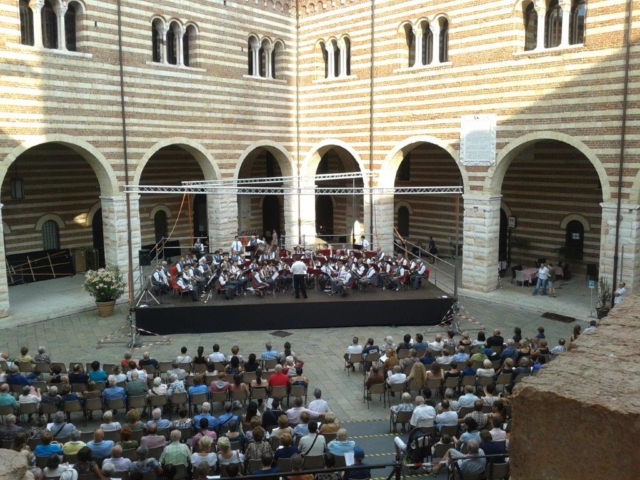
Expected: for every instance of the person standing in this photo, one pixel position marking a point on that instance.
(543, 277)
(299, 271)
(551, 283)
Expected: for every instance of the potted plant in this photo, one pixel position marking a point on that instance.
(106, 286)
(604, 297)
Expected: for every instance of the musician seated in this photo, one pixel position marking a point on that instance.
(398, 275)
(342, 282)
(224, 284)
(159, 281)
(198, 247)
(186, 286)
(364, 242)
(370, 275)
(383, 273)
(420, 273)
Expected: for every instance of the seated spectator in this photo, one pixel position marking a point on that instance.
(14, 377)
(180, 373)
(109, 425)
(47, 448)
(499, 411)
(461, 356)
(234, 434)
(42, 356)
(423, 415)
(375, 377)
(509, 352)
(330, 462)
(156, 419)
(35, 432)
(9, 431)
(427, 359)
(270, 416)
(341, 444)
(133, 421)
(330, 425)
(198, 386)
(183, 420)
(486, 370)
(319, 405)
(489, 398)
(144, 464)
(74, 445)
(469, 398)
(127, 357)
(278, 378)
(445, 358)
(203, 432)
(227, 456)
(125, 439)
(117, 375)
(302, 429)
(405, 344)
(259, 446)
(183, 357)
(78, 375)
(471, 465)
(221, 385)
(497, 433)
(524, 369)
(491, 447)
(542, 349)
(396, 376)
(206, 408)
(390, 362)
(100, 447)
(445, 416)
(159, 389)
(54, 468)
(29, 396)
(437, 345)
(358, 457)
(411, 359)
(113, 392)
(560, 348)
(298, 378)
(108, 470)
(238, 386)
(152, 439)
(251, 365)
(59, 428)
(68, 396)
(175, 453)
(174, 385)
(480, 341)
(217, 355)
(417, 375)
(120, 463)
(405, 406)
(542, 361)
(233, 367)
(313, 443)
(269, 466)
(20, 445)
(269, 353)
(147, 361)
(369, 348)
(453, 371)
(228, 415)
(252, 411)
(454, 405)
(56, 375)
(283, 427)
(470, 432)
(200, 359)
(469, 371)
(24, 356)
(204, 454)
(480, 418)
(136, 386)
(6, 399)
(435, 372)
(524, 348)
(507, 367)
(91, 392)
(287, 449)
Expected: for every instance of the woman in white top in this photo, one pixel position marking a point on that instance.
(487, 371)
(118, 375)
(29, 395)
(204, 454)
(109, 425)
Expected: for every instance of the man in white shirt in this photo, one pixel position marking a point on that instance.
(319, 405)
(160, 281)
(423, 415)
(299, 271)
(396, 376)
(421, 273)
(342, 281)
(217, 355)
(236, 246)
(543, 277)
(620, 293)
(468, 399)
(446, 417)
(353, 348)
(312, 444)
(444, 359)
(121, 464)
(364, 243)
(293, 414)
(437, 345)
(593, 325)
(183, 357)
(497, 434)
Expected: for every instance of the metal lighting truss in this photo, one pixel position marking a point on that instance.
(244, 181)
(255, 190)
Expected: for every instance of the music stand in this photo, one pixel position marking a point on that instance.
(356, 246)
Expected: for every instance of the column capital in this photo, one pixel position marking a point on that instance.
(61, 8)
(36, 4)
(268, 48)
(540, 6)
(435, 28)
(417, 30)
(329, 47)
(565, 5)
(162, 29)
(471, 199)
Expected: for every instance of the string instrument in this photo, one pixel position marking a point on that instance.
(404, 242)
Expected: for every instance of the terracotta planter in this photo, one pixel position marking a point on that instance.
(105, 309)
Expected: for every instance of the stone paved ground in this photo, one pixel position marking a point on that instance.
(75, 339)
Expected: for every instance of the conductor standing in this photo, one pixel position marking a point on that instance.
(299, 270)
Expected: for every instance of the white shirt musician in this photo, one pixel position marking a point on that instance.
(199, 247)
(299, 270)
(364, 242)
(421, 272)
(236, 245)
(160, 281)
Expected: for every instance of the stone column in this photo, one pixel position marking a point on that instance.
(4, 286)
(61, 10)
(480, 251)
(255, 51)
(342, 46)
(565, 5)
(435, 42)
(36, 6)
(222, 211)
(417, 40)
(383, 222)
(290, 219)
(162, 32)
(267, 62)
(179, 46)
(307, 213)
(331, 73)
(628, 246)
(541, 10)
(114, 219)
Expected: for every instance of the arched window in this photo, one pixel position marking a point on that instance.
(347, 57)
(444, 41)
(26, 23)
(250, 66)
(277, 59)
(172, 47)
(530, 28)
(553, 35)
(411, 47)
(325, 58)
(157, 40)
(336, 59)
(427, 44)
(578, 11)
(49, 26)
(404, 170)
(50, 235)
(575, 238)
(263, 62)
(185, 48)
(70, 28)
(160, 225)
(403, 221)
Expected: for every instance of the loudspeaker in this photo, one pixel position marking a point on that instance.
(144, 257)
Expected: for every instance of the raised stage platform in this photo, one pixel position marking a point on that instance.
(376, 307)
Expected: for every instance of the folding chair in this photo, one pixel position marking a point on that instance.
(353, 359)
(402, 417)
(377, 389)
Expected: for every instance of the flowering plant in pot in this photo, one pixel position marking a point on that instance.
(106, 286)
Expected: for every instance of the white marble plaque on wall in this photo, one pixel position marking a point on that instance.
(478, 140)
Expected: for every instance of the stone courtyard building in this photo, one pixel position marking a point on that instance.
(520, 102)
